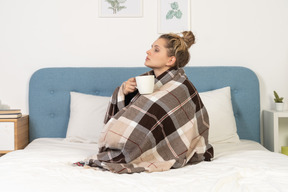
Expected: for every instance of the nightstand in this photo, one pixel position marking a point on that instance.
(275, 130)
(13, 134)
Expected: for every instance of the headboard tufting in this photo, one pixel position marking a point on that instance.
(49, 99)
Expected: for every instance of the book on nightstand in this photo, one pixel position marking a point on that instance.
(10, 114)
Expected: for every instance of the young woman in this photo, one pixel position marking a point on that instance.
(162, 130)
(169, 50)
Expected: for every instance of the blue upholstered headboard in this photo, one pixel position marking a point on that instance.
(49, 98)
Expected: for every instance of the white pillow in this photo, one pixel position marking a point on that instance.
(86, 120)
(221, 117)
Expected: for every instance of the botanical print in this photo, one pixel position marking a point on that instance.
(115, 5)
(174, 12)
(120, 8)
(173, 16)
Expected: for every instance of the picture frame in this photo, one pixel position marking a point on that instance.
(120, 8)
(173, 16)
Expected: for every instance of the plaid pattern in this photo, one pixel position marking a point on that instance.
(156, 132)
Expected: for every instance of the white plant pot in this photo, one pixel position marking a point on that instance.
(279, 106)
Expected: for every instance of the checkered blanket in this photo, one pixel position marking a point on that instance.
(155, 132)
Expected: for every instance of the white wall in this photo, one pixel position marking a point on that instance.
(48, 33)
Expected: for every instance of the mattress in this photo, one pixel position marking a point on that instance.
(46, 165)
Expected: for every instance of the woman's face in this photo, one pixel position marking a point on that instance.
(157, 57)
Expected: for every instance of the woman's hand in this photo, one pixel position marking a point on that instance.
(129, 86)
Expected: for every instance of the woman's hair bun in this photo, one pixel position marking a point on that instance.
(188, 38)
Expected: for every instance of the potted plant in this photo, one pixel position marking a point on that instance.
(278, 102)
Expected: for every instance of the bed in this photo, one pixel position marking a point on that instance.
(231, 95)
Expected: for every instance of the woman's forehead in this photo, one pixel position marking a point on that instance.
(159, 43)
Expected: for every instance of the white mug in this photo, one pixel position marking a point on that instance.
(145, 84)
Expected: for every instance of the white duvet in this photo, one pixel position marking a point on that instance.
(46, 165)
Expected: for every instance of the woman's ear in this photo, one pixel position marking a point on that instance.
(171, 61)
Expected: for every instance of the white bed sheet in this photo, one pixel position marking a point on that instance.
(46, 165)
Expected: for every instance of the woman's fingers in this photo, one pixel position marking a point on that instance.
(130, 86)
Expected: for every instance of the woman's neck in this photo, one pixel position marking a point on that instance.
(159, 71)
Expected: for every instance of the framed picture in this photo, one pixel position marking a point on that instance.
(173, 16)
(120, 8)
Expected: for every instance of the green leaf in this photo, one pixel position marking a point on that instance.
(120, 8)
(174, 5)
(110, 2)
(277, 99)
(170, 14)
(178, 14)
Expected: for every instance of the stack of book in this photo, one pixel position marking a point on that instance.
(10, 113)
